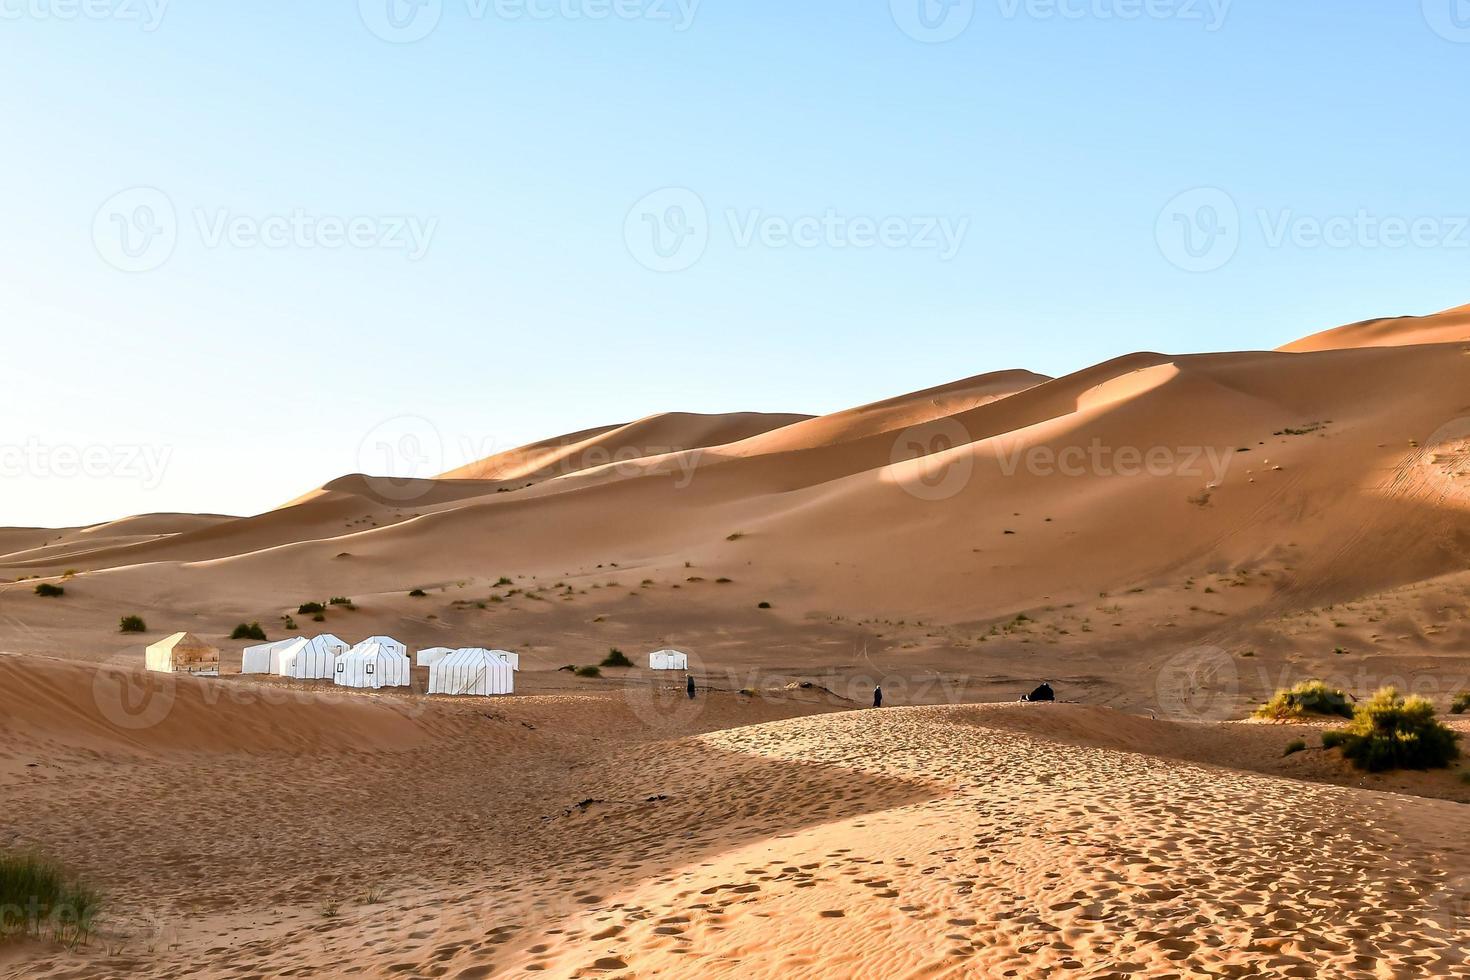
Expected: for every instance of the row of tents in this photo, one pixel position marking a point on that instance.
(381, 661)
(377, 662)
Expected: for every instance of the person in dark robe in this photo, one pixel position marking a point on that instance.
(689, 687)
(1042, 693)
(878, 696)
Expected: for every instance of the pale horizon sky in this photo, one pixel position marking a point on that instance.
(247, 246)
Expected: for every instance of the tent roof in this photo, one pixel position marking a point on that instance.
(184, 640)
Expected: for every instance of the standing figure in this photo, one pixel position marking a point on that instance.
(689, 687)
(878, 696)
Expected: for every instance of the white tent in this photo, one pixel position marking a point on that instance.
(514, 659)
(265, 658)
(668, 660)
(314, 659)
(184, 653)
(431, 656)
(472, 671)
(371, 664)
(387, 643)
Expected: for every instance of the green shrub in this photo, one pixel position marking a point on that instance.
(1307, 698)
(49, 591)
(616, 658)
(39, 897)
(253, 631)
(418, 594)
(1460, 704)
(588, 671)
(1390, 731)
(502, 581)
(1292, 748)
(307, 608)
(132, 624)
(337, 600)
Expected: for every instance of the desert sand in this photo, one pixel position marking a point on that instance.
(1167, 538)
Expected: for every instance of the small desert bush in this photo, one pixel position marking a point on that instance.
(764, 605)
(38, 898)
(1307, 698)
(616, 658)
(418, 594)
(588, 671)
(338, 600)
(307, 608)
(132, 624)
(1390, 731)
(1292, 748)
(1460, 704)
(248, 631)
(49, 591)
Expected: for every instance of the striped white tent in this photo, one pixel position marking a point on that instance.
(668, 660)
(371, 664)
(387, 643)
(314, 659)
(431, 656)
(472, 671)
(265, 658)
(514, 659)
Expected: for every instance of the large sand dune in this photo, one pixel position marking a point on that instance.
(1166, 537)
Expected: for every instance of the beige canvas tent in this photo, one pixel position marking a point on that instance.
(183, 653)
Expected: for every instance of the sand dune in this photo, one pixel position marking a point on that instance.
(954, 506)
(1271, 515)
(1451, 326)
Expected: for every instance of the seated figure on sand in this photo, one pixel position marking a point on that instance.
(1042, 693)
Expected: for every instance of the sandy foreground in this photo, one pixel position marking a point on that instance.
(274, 832)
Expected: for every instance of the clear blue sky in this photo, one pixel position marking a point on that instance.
(518, 136)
